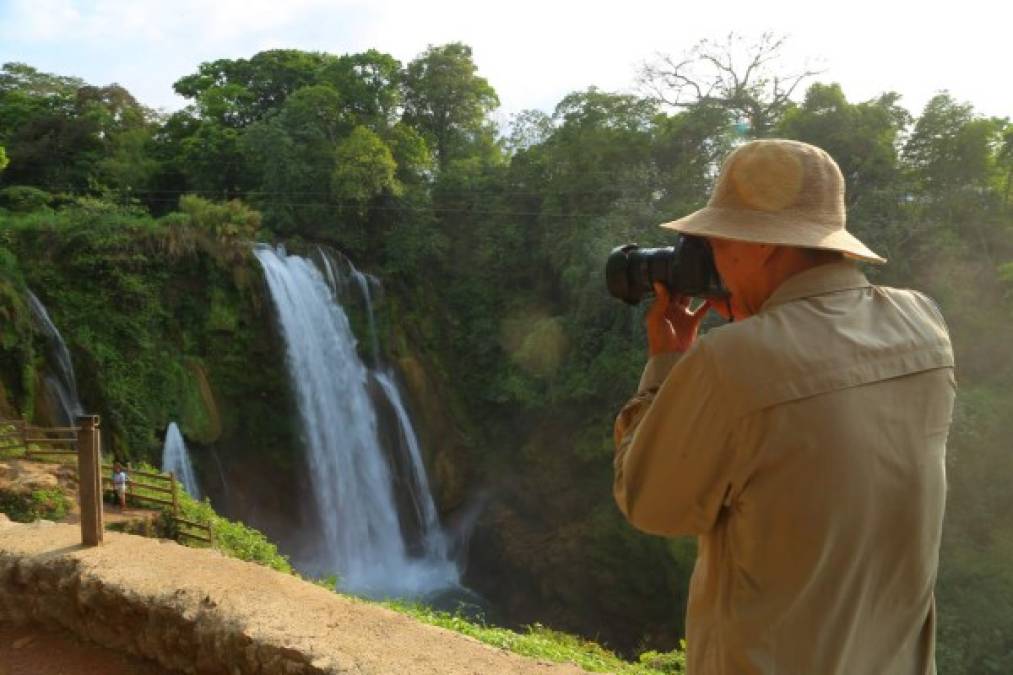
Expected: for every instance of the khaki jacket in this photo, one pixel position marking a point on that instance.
(805, 447)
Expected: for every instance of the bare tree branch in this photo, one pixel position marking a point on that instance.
(708, 74)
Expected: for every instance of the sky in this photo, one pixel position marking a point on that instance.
(533, 52)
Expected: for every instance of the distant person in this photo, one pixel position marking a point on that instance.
(803, 443)
(120, 480)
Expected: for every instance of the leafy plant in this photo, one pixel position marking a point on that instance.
(44, 504)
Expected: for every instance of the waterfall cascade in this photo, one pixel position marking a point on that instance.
(61, 387)
(362, 537)
(176, 459)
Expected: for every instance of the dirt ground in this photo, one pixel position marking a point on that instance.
(277, 611)
(37, 650)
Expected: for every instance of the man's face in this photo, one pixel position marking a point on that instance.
(741, 266)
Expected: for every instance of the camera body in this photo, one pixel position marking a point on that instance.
(686, 268)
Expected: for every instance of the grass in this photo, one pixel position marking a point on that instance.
(544, 643)
(25, 507)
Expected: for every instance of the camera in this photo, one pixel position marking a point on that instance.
(687, 268)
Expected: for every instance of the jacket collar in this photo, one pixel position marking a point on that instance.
(819, 280)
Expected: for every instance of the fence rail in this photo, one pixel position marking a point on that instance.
(31, 437)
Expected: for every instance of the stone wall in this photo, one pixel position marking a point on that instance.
(195, 611)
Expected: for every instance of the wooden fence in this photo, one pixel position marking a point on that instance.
(46, 443)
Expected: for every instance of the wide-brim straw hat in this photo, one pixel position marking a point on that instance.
(778, 192)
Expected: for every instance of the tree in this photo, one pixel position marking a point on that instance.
(364, 168)
(238, 92)
(729, 74)
(1005, 162)
(528, 128)
(950, 147)
(29, 81)
(447, 100)
(369, 85)
(63, 134)
(213, 161)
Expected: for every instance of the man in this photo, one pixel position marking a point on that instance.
(803, 443)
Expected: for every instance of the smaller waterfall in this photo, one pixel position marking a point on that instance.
(61, 387)
(339, 280)
(176, 459)
(433, 539)
(221, 475)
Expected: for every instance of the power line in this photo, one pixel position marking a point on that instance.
(356, 204)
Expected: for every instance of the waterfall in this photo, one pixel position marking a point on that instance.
(361, 537)
(61, 388)
(176, 459)
(338, 273)
(433, 539)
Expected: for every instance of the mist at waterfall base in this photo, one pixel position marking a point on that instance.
(61, 385)
(379, 532)
(176, 460)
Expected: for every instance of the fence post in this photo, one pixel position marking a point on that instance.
(172, 486)
(89, 473)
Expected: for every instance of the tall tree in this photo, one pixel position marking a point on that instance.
(448, 101)
(238, 92)
(61, 132)
(369, 84)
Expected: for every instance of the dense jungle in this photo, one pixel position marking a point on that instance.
(135, 230)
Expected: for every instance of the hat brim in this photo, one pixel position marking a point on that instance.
(781, 228)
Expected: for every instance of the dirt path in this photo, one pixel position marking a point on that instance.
(192, 608)
(40, 651)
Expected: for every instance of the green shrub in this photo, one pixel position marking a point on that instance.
(666, 662)
(26, 507)
(23, 198)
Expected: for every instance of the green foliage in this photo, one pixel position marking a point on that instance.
(544, 643)
(364, 169)
(62, 134)
(24, 198)
(226, 223)
(25, 507)
(238, 92)
(17, 346)
(369, 84)
(668, 662)
(447, 100)
(156, 314)
(3, 158)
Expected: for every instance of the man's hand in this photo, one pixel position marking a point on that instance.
(671, 325)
